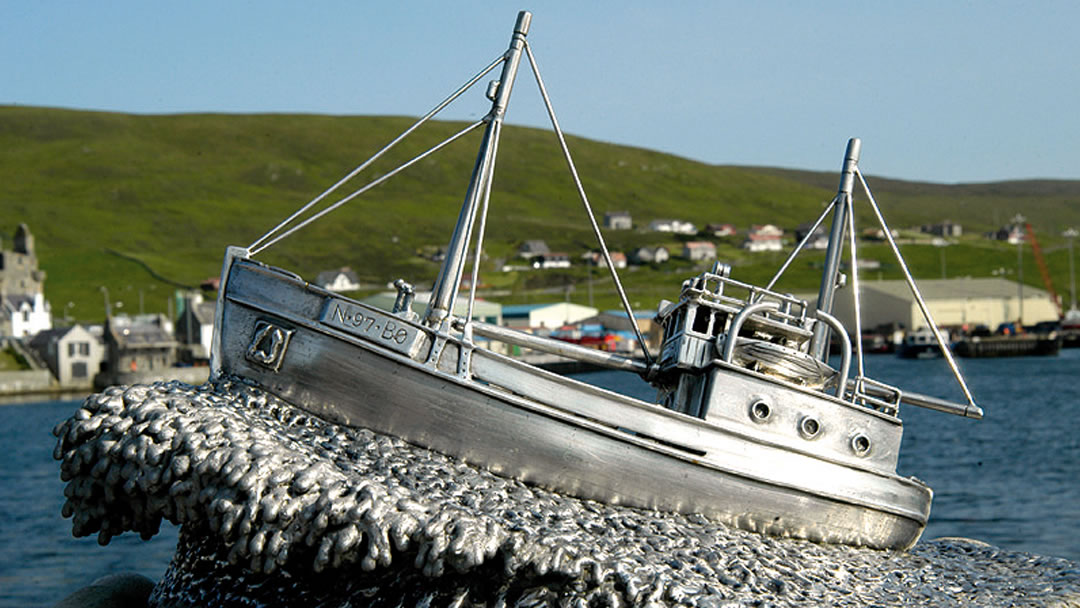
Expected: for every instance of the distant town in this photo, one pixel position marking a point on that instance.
(39, 353)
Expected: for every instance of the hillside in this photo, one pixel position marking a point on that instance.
(109, 196)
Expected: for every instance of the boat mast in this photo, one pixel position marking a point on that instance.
(831, 273)
(449, 279)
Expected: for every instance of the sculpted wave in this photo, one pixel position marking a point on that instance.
(281, 508)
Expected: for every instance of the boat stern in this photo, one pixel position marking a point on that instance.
(232, 253)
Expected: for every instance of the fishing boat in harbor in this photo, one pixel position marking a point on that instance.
(920, 344)
(751, 426)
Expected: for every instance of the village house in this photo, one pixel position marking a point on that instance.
(618, 220)
(136, 348)
(595, 258)
(944, 229)
(1013, 234)
(340, 280)
(195, 329)
(533, 248)
(766, 237)
(649, 255)
(23, 308)
(673, 226)
(699, 250)
(720, 230)
(818, 240)
(554, 259)
(877, 234)
(540, 256)
(22, 316)
(73, 354)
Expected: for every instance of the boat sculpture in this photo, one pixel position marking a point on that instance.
(751, 426)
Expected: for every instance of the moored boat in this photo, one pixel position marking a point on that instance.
(751, 426)
(920, 344)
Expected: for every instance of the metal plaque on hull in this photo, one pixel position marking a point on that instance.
(372, 325)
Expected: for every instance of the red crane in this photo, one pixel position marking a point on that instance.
(1043, 270)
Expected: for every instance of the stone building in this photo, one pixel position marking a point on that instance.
(73, 354)
(19, 273)
(618, 220)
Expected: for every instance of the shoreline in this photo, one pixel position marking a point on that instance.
(31, 397)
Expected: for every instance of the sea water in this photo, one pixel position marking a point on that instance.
(1009, 480)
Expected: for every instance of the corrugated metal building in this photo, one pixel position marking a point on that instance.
(952, 302)
(551, 316)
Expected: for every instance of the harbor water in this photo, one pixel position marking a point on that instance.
(1009, 480)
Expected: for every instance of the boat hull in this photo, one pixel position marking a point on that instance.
(542, 428)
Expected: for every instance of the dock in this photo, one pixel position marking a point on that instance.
(1023, 345)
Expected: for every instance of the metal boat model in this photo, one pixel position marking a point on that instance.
(752, 426)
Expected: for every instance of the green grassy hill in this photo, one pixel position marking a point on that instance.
(141, 204)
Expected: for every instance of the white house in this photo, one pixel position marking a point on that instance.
(342, 279)
(650, 255)
(765, 237)
(675, 226)
(24, 315)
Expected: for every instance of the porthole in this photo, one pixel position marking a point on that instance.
(860, 444)
(760, 410)
(809, 427)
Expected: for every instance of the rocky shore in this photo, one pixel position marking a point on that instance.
(279, 508)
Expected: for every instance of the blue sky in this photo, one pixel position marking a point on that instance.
(948, 91)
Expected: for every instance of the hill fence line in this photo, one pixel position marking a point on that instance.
(157, 275)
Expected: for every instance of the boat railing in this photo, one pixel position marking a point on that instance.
(874, 394)
(761, 308)
(717, 287)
